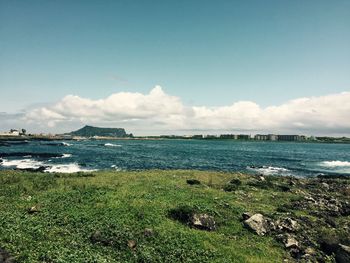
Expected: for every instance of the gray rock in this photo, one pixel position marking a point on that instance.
(325, 186)
(290, 241)
(203, 221)
(257, 223)
(287, 224)
(33, 210)
(132, 244)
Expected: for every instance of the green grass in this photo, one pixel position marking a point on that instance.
(121, 205)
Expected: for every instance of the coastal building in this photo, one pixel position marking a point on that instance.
(243, 137)
(266, 137)
(272, 137)
(210, 136)
(228, 136)
(261, 137)
(290, 138)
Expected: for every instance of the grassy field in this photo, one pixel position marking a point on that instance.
(126, 217)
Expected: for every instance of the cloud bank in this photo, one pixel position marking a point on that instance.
(160, 113)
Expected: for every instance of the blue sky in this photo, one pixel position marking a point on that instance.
(211, 53)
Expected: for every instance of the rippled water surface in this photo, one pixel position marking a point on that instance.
(282, 158)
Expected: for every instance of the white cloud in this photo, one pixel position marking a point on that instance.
(158, 112)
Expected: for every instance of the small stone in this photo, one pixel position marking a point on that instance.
(291, 242)
(325, 186)
(132, 244)
(148, 232)
(257, 223)
(262, 178)
(203, 221)
(33, 209)
(310, 251)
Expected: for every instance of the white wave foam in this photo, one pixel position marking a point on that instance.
(335, 164)
(270, 170)
(66, 144)
(116, 167)
(65, 155)
(22, 164)
(112, 145)
(66, 168)
(50, 168)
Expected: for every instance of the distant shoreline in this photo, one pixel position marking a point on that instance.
(61, 138)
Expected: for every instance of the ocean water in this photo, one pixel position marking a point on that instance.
(277, 158)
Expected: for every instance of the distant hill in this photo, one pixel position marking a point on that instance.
(90, 131)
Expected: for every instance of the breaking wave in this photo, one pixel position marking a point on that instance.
(112, 145)
(335, 164)
(66, 168)
(30, 164)
(22, 164)
(270, 170)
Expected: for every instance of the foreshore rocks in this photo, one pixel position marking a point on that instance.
(313, 227)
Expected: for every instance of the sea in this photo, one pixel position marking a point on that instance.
(267, 158)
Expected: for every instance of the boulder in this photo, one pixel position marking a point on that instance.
(257, 223)
(203, 221)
